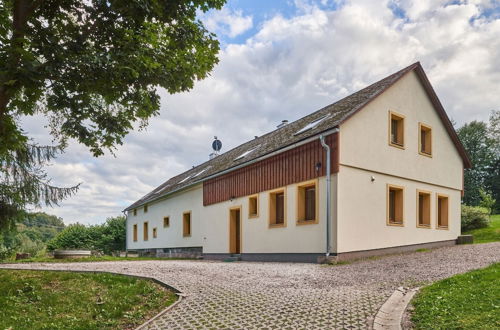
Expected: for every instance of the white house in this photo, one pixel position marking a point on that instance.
(393, 179)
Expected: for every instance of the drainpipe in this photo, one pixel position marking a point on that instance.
(328, 193)
(126, 233)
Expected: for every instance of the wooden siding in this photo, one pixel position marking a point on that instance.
(292, 166)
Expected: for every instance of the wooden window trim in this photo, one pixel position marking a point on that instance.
(184, 224)
(277, 191)
(429, 128)
(388, 222)
(166, 224)
(135, 232)
(437, 212)
(135, 212)
(145, 208)
(429, 226)
(145, 234)
(307, 184)
(400, 116)
(155, 232)
(255, 215)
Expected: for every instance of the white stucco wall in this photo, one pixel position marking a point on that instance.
(210, 224)
(174, 207)
(362, 212)
(364, 138)
(365, 152)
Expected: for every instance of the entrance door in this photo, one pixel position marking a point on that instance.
(235, 230)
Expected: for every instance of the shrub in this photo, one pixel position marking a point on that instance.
(75, 236)
(474, 217)
(487, 200)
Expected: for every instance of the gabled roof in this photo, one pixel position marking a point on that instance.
(313, 124)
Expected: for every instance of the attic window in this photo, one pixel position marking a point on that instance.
(396, 130)
(246, 153)
(312, 125)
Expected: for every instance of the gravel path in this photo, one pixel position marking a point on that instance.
(247, 295)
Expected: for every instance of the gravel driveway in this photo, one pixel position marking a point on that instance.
(248, 295)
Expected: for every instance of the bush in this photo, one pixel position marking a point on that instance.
(474, 217)
(106, 238)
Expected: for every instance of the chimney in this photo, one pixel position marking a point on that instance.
(283, 123)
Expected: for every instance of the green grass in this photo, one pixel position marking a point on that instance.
(489, 234)
(66, 300)
(89, 259)
(423, 250)
(465, 301)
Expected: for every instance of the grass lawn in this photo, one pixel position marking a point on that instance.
(465, 301)
(489, 234)
(66, 300)
(89, 259)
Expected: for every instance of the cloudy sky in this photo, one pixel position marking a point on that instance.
(283, 60)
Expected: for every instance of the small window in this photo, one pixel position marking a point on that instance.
(186, 224)
(155, 232)
(307, 202)
(135, 232)
(425, 139)
(442, 211)
(395, 205)
(145, 208)
(135, 211)
(396, 130)
(277, 212)
(253, 206)
(423, 209)
(146, 231)
(166, 222)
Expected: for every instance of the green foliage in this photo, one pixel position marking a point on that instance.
(93, 67)
(107, 237)
(487, 234)
(465, 301)
(23, 182)
(474, 217)
(482, 142)
(487, 200)
(30, 235)
(65, 300)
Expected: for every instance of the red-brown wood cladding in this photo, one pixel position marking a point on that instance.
(292, 166)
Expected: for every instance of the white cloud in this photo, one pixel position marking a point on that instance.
(227, 22)
(287, 69)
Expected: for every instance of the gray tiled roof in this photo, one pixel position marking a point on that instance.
(280, 138)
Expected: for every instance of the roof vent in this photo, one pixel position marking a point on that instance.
(284, 122)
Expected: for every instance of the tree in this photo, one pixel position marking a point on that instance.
(23, 182)
(482, 148)
(92, 68)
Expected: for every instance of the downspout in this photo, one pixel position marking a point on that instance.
(328, 193)
(126, 233)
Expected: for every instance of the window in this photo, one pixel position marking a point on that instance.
(146, 231)
(135, 232)
(186, 224)
(166, 222)
(423, 209)
(135, 211)
(307, 202)
(394, 205)
(145, 208)
(442, 211)
(396, 130)
(312, 125)
(155, 232)
(425, 140)
(277, 208)
(253, 206)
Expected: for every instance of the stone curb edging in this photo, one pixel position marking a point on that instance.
(147, 278)
(390, 315)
